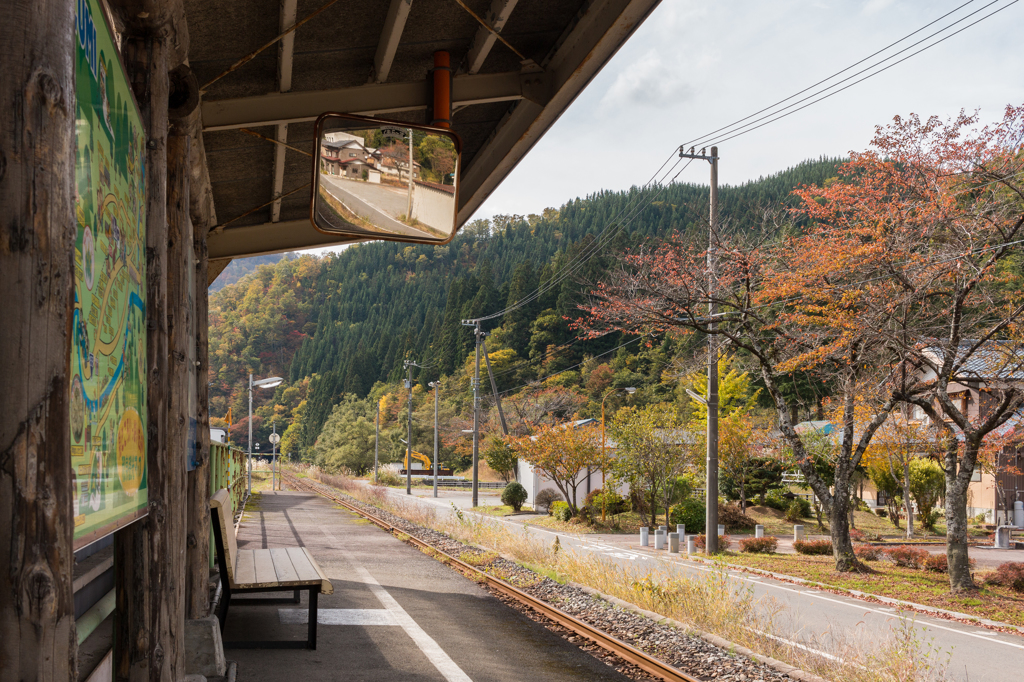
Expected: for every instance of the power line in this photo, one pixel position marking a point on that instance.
(825, 80)
(772, 118)
(589, 252)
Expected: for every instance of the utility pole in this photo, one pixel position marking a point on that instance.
(436, 385)
(711, 489)
(476, 412)
(248, 485)
(408, 214)
(376, 443)
(408, 443)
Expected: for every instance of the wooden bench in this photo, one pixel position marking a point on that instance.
(283, 569)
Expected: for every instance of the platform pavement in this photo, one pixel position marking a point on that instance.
(395, 614)
(976, 654)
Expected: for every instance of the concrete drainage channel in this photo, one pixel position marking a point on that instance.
(516, 597)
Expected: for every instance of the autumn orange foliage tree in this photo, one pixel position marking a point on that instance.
(562, 453)
(896, 285)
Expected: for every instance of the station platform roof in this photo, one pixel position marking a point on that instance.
(517, 65)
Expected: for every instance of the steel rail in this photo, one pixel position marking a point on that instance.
(624, 651)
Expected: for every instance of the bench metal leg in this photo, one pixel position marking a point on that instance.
(314, 593)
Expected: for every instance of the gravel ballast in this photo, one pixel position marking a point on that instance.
(672, 645)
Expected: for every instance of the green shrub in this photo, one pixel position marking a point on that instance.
(928, 518)
(798, 510)
(1010, 574)
(545, 498)
(388, 477)
(813, 547)
(765, 545)
(690, 512)
(907, 556)
(561, 510)
(514, 495)
(775, 500)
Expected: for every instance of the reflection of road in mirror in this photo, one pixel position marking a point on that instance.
(347, 204)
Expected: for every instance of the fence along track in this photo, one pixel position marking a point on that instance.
(624, 651)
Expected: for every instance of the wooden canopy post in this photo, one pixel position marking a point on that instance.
(37, 236)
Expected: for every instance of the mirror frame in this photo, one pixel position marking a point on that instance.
(376, 123)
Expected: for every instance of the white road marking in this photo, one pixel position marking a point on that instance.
(338, 617)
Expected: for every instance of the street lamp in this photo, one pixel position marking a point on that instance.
(630, 390)
(269, 382)
(436, 385)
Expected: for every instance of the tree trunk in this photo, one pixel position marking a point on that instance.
(906, 499)
(842, 545)
(956, 521)
(37, 237)
(743, 498)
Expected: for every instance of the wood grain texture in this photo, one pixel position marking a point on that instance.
(37, 233)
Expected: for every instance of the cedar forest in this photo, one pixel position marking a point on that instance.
(338, 328)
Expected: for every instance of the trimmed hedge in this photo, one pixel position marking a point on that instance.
(907, 556)
(561, 510)
(766, 545)
(1010, 574)
(514, 495)
(813, 547)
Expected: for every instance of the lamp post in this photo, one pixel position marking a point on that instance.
(269, 382)
(436, 385)
(630, 390)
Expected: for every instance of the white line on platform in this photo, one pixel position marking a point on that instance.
(338, 617)
(445, 665)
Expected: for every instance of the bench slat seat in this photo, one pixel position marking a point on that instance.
(263, 570)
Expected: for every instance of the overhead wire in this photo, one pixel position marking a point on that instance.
(825, 80)
(749, 127)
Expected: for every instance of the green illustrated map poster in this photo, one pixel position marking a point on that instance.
(108, 356)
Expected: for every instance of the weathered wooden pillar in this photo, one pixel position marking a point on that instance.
(37, 236)
(181, 336)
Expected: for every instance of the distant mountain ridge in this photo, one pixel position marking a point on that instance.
(347, 320)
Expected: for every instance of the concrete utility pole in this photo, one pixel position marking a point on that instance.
(408, 444)
(711, 489)
(476, 411)
(376, 443)
(408, 214)
(436, 385)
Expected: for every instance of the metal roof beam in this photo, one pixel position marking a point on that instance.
(602, 28)
(285, 55)
(291, 107)
(259, 240)
(484, 40)
(398, 12)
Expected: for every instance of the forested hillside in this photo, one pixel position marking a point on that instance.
(336, 327)
(240, 267)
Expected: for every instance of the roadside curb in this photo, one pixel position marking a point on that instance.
(784, 668)
(933, 610)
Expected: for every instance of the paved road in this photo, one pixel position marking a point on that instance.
(978, 654)
(395, 614)
(380, 204)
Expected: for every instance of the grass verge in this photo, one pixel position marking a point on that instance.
(712, 603)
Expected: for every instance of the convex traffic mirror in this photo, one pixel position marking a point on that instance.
(375, 179)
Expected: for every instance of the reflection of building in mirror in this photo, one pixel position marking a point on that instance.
(365, 184)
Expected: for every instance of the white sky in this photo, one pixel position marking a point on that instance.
(696, 65)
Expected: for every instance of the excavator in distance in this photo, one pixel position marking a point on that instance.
(424, 467)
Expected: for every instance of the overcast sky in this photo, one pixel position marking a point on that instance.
(694, 66)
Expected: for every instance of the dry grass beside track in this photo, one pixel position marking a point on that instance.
(711, 604)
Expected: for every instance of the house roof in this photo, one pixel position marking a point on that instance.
(375, 58)
(992, 360)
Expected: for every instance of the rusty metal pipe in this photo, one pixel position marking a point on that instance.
(442, 75)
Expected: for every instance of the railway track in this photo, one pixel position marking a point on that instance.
(624, 651)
